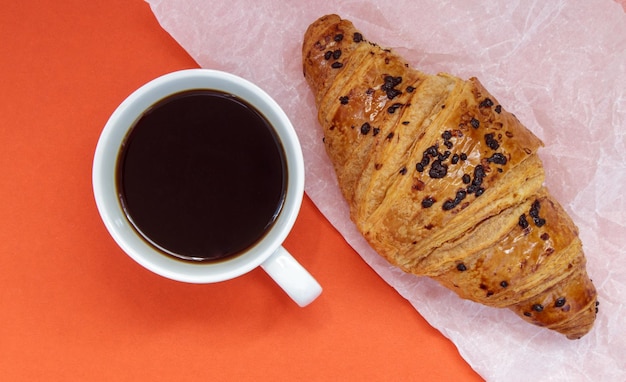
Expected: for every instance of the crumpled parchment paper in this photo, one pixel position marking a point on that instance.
(560, 66)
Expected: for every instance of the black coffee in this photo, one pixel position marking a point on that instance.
(202, 175)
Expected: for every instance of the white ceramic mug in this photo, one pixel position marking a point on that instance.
(268, 252)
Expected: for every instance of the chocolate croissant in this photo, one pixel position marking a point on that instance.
(443, 182)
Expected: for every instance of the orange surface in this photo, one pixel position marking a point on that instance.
(75, 307)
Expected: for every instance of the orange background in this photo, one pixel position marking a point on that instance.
(75, 307)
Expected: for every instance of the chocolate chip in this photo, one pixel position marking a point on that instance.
(328, 55)
(393, 93)
(538, 308)
(336, 65)
(458, 198)
(466, 178)
(375, 131)
(338, 37)
(357, 37)
(559, 302)
(534, 209)
(479, 172)
(438, 170)
(344, 100)
(498, 109)
(522, 222)
(365, 128)
(461, 267)
(337, 54)
(460, 195)
(443, 156)
(410, 89)
(425, 160)
(428, 202)
(448, 205)
(534, 213)
(475, 187)
(498, 158)
(475, 123)
(491, 142)
(403, 171)
(432, 151)
(504, 284)
(486, 103)
(392, 109)
(390, 82)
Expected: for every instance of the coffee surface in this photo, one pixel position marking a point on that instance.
(202, 175)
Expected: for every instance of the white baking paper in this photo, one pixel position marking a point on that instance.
(560, 66)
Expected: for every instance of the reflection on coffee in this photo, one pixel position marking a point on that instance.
(202, 175)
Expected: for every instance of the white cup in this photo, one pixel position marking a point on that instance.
(268, 252)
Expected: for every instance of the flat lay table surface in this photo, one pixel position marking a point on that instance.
(75, 307)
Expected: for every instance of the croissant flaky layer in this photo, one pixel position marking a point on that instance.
(442, 181)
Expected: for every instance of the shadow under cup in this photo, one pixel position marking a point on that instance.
(199, 176)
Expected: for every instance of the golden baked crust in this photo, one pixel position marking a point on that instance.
(442, 181)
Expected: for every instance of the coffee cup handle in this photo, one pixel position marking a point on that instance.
(296, 281)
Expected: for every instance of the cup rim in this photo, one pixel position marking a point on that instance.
(105, 163)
